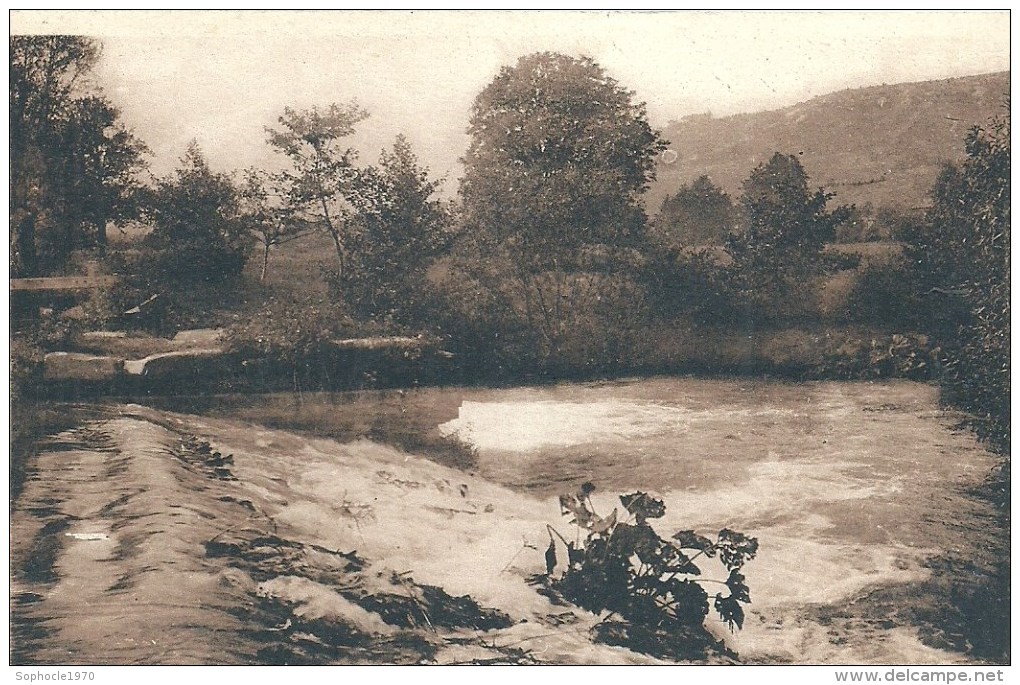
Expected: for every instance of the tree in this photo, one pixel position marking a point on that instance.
(270, 222)
(559, 157)
(961, 260)
(399, 234)
(782, 211)
(198, 231)
(786, 227)
(103, 165)
(73, 164)
(324, 186)
(700, 213)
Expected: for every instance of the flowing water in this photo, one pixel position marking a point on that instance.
(851, 488)
(857, 492)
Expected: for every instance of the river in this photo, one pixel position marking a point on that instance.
(859, 493)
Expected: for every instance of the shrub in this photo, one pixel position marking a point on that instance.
(505, 322)
(896, 356)
(965, 257)
(888, 294)
(652, 584)
(682, 283)
(198, 233)
(291, 337)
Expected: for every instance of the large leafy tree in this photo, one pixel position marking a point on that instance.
(400, 232)
(560, 154)
(324, 185)
(73, 163)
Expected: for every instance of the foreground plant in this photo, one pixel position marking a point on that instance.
(652, 584)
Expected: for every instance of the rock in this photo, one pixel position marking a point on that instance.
(392, 342)
(76, 366)
(99, 336)
(198, 337)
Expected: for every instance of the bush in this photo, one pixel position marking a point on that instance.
(652, 584)
(888, 294)
(198, 231)
(896, 356)
(504, 322)
(689, 284)
(293, 338)
(962, 262)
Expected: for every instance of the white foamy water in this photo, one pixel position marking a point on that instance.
(530, 425)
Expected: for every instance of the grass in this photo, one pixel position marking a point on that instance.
(296, 268)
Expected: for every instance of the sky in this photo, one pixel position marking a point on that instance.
(222, 77)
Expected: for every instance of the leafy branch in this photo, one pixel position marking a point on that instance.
(626, 568)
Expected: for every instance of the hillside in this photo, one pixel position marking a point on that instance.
(882, 144)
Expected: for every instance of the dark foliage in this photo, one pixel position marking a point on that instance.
(689, 283)
(780, 250)
(397, 235)
(699, 213)
(198, 235)
(73, 163)
(651, 583)
(559, 156)
(962, 266)
(893, 356)
(552, 221)
(292, 335)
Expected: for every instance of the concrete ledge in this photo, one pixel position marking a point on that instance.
(174, 365)
(76, 366)
(392, 342)
(198, 337)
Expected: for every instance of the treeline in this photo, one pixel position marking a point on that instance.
(545, 264)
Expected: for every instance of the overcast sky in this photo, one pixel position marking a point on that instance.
(222, 77)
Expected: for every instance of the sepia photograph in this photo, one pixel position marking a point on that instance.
(463, 337)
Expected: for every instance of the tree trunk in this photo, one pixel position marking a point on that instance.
(265, 264)
(337, 241)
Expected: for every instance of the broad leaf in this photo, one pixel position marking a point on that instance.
(738, 588)
(628, 540)
(730, 611)
(570, 504)
(643, 506)
(601, 525)
(735, 549)
(688, 539)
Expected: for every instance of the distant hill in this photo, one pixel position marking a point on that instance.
(882, 144)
